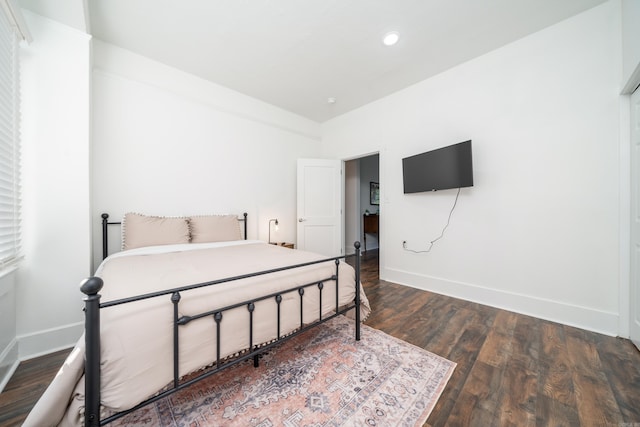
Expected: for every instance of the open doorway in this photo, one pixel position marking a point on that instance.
(362, 205)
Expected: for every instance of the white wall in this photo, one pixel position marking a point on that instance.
(168, 143)
(55, 82)
(8, 342)
(630, 42)
(538, 233)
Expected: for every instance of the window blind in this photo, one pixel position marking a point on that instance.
(9, 143)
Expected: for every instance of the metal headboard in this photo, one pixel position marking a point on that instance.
(106, 224)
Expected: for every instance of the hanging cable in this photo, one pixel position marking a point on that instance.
(404, 244)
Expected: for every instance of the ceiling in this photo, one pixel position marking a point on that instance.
(297, 54)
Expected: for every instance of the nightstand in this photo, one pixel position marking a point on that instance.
(285, 244)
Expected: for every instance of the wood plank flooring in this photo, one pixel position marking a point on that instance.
(26, 386)
(513, 370)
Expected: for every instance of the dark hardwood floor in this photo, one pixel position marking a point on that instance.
(512, 370)
(26, 386)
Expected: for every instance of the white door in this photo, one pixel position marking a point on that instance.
(320, 206)
(634, 309)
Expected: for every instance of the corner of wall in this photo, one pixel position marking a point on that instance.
(8, 363)
(8, 343)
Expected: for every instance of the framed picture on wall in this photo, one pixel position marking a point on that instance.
(374, 193)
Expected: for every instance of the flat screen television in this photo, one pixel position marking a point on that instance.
(446, 167)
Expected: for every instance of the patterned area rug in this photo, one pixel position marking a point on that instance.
(320, 378)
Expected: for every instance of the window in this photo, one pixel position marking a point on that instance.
(10, 36)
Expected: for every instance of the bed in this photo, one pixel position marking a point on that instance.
(184, 299)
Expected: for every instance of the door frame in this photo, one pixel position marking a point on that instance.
(356, 215)
(349, 217)
(626, 292)
(632, 278)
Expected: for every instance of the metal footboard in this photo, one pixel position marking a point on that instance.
(92, 286)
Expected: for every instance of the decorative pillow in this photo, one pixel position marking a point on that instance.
(214, 228)
(141, 230)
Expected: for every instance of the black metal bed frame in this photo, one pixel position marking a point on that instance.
(92, 285)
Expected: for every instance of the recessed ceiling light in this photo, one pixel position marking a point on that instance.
(391, 38)
(331, 100)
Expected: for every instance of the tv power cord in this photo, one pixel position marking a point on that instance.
(404, 242)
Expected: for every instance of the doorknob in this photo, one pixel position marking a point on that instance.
(301, 219)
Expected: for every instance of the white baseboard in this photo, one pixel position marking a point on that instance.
(572, 315)
(8, 363)
(28, 346)
(48, 341)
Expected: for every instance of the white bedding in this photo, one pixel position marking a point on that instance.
(181, 247)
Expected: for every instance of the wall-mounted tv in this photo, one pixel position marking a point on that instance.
(447, 167)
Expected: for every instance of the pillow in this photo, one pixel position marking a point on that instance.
(214, 228)
(142, 230)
